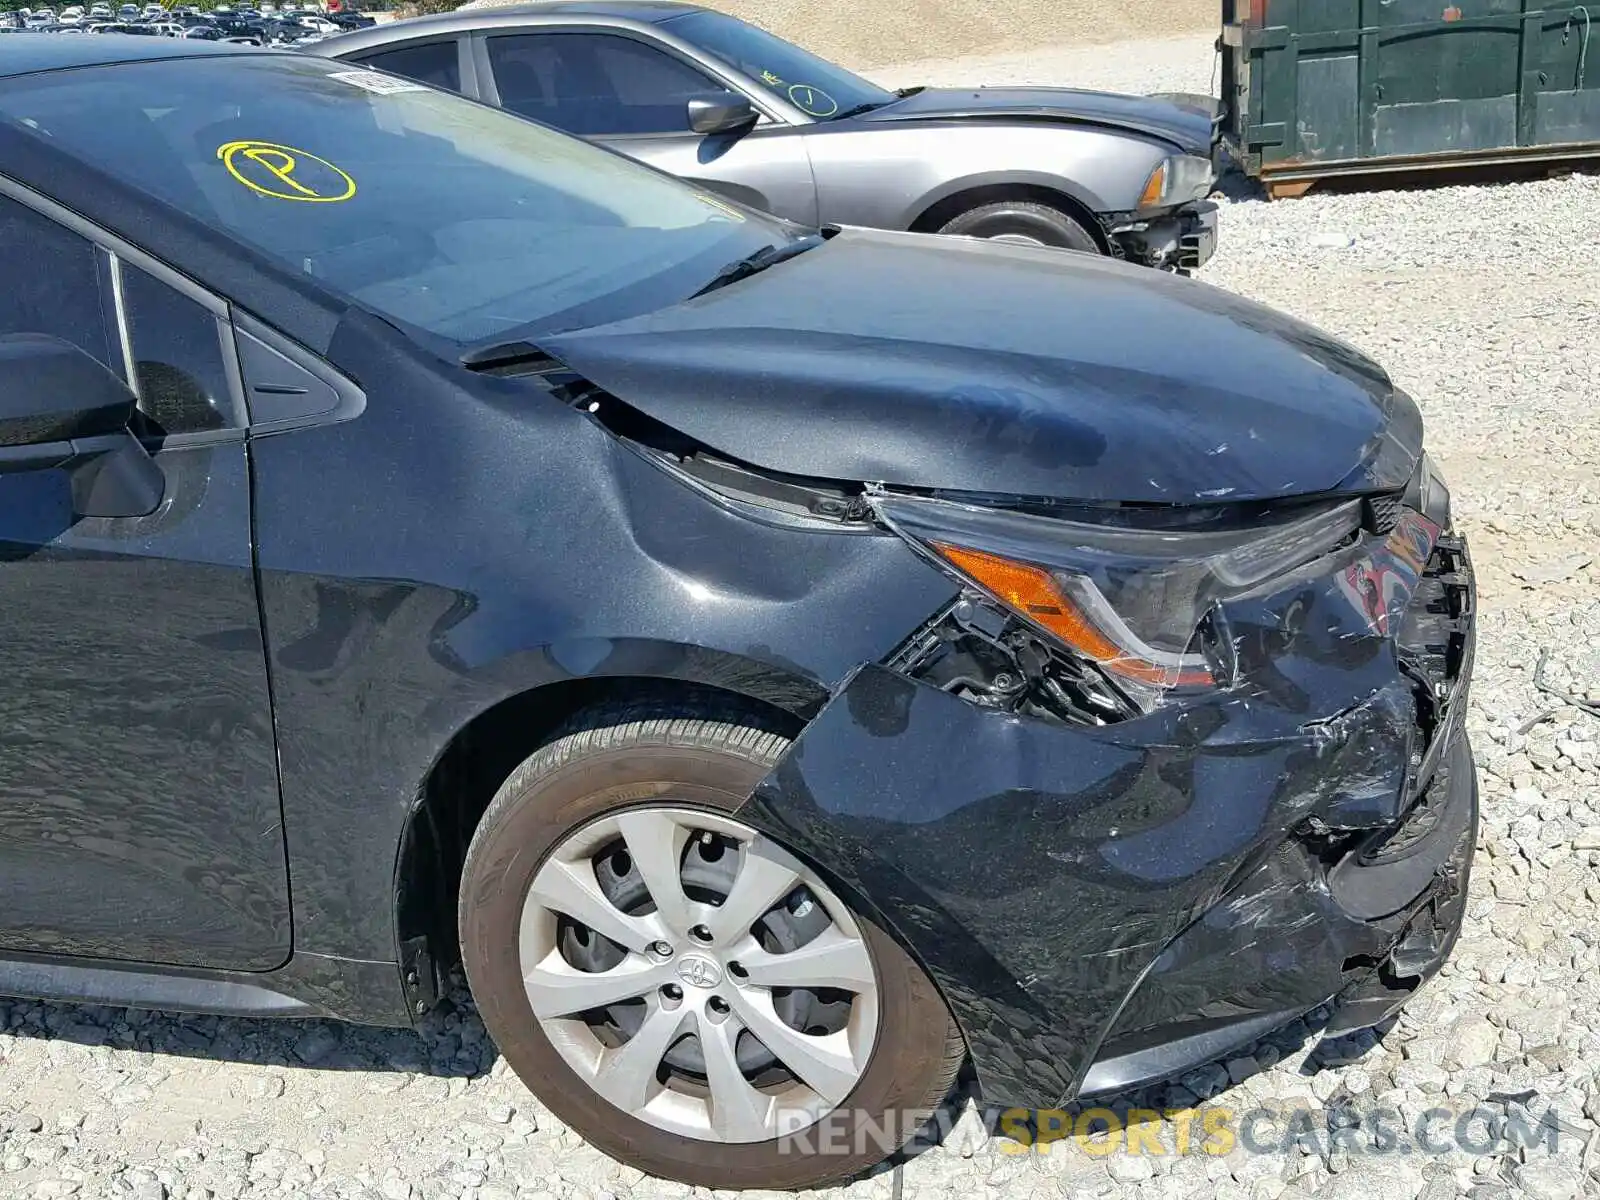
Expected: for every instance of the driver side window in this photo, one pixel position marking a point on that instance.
(65, 286)
(595, 85)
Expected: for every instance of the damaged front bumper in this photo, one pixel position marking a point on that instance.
(1183, 240)
(1108, 905)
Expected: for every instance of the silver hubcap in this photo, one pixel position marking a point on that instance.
(697, 975)
(1017, 239)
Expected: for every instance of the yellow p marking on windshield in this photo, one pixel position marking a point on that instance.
(285, 173)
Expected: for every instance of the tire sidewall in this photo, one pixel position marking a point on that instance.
(1051, 227)
(530, 817)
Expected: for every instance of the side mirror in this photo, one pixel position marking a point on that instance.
(61, 409)
(720, 113)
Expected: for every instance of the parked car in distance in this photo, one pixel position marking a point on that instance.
(782, 666)
(741, 112)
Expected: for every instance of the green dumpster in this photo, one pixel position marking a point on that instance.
(1318, 88)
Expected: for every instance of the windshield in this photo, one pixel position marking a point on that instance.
(813, 85)
(441, 214)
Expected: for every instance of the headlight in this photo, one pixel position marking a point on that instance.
(1177, 180)
(1126, 597)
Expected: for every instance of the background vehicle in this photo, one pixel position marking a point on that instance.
(741, 112)
(239, 25)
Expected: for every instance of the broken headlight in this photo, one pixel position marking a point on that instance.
(1133, 597)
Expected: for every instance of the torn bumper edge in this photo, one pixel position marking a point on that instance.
(1182, 240)
(1363, 968)
(1044, 875)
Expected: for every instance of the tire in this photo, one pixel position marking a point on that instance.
(1027, 222)
(654, 762)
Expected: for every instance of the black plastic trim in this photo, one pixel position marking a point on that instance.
(1135, 1068)
(348, 401)
(118, 986)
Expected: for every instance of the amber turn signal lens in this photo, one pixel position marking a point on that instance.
(1034, 593)
(1153, 189)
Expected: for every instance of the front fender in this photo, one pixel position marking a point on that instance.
(441, 567)
(888, 177)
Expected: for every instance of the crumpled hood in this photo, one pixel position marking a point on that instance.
(951, 363)
(1187, 128)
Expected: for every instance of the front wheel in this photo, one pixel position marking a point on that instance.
(1024, 223)
(680, 988)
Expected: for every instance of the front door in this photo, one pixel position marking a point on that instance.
(139, 813)
(633, 96)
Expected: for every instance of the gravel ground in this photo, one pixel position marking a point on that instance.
(1485, 303)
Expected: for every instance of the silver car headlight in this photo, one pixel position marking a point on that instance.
(1178, 180)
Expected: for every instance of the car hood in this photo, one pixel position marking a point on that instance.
(1187, 128)
(950, 363)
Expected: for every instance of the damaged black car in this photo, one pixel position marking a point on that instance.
(780, 666)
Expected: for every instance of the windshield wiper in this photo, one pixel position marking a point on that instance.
(754, 264)
(872, 105)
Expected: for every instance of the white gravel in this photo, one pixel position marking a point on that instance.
(1485, 303)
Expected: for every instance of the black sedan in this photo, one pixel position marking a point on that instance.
(781, 665)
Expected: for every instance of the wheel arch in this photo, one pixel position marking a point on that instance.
(486, 748)
(944, 206)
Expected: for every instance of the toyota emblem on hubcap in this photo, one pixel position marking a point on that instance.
(699, 972)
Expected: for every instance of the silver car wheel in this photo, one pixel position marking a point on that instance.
(690, 1022)
(1018, 239)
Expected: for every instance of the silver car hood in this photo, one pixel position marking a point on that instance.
(1189, 129)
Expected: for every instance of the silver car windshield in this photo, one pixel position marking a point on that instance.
(813, 85)
(444, 215)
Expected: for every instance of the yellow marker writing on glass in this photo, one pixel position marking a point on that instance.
(812, 100)
(285, 173)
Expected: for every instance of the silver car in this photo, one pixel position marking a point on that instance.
(760, 120)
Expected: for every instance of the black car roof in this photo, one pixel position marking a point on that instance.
(26, 53)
